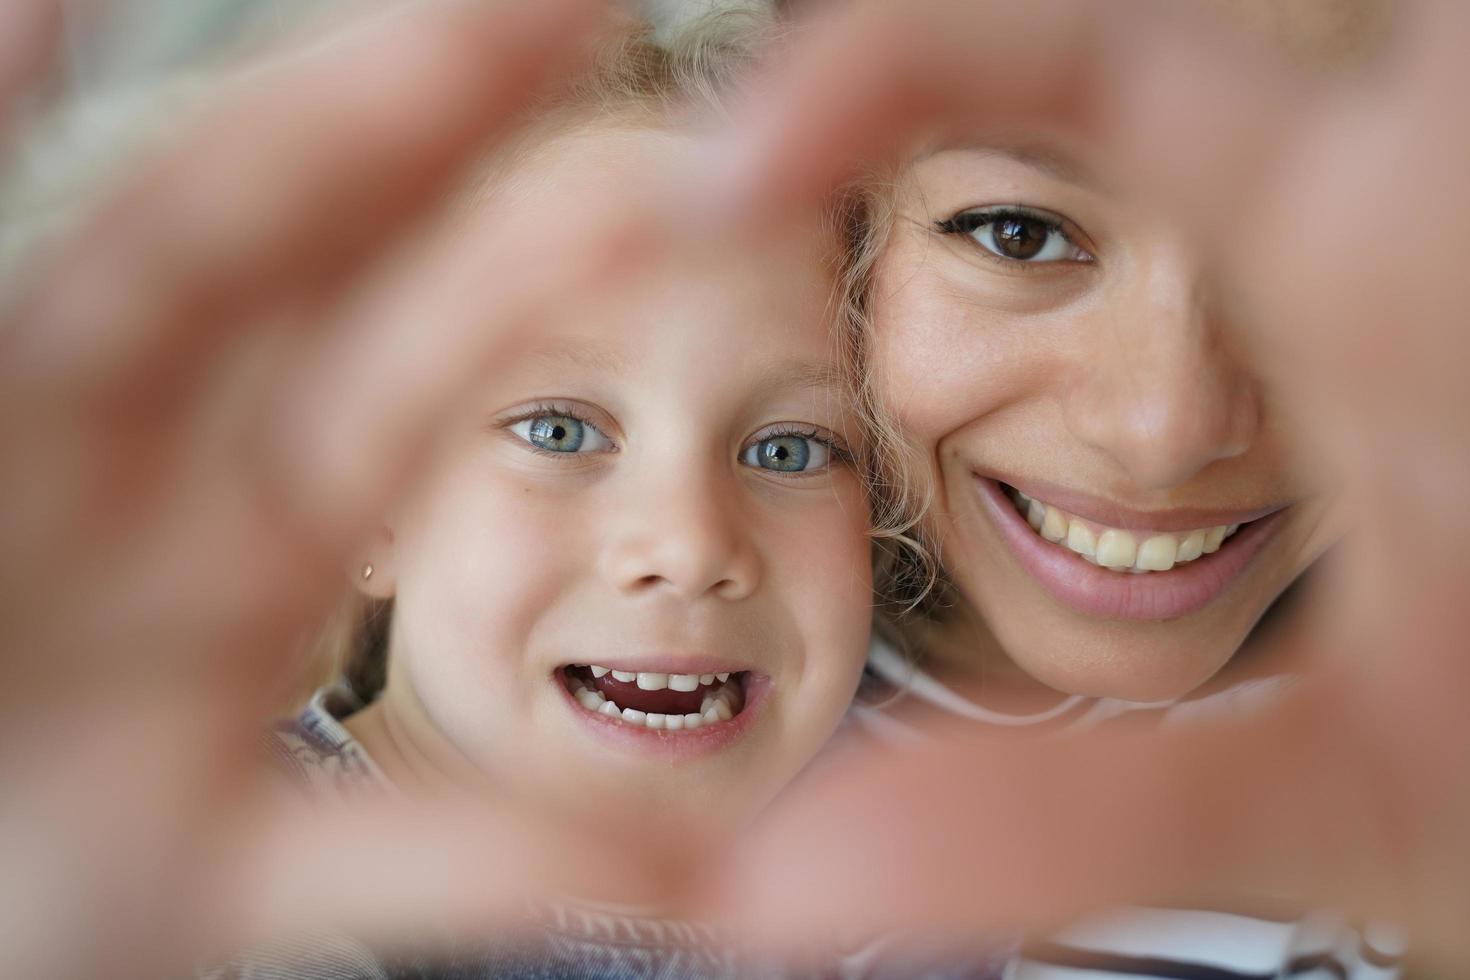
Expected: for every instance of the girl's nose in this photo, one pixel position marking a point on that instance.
(686, 537)
(1160, 391)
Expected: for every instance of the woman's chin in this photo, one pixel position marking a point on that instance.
(1150, 670)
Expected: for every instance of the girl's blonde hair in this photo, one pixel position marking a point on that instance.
(634, 76)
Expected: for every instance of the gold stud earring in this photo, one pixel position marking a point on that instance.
(367, 571)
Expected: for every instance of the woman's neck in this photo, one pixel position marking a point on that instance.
(961, 652)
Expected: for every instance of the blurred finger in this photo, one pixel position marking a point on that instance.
(350, 427)
(970, 837)
(478, 871)
(1171, 98)
(30, 37)
(310, 165)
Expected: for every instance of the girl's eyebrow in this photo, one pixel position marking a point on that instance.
(803, 375)
(582, 352)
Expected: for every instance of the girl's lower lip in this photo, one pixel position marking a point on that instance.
(667, 745)
(1106, 594)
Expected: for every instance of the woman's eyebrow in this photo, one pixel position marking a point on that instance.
(1041, 155)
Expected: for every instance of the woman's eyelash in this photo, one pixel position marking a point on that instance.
(967, 221)
(1020, 236)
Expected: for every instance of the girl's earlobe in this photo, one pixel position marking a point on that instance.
(372, 575)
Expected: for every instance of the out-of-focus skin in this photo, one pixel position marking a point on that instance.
(1352, 791)
(205, 394)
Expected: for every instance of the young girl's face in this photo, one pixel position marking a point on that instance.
(1037, 335)
(643, 577)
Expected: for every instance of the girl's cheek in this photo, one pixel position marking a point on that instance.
(491, 550)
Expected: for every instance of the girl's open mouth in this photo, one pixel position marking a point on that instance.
(657, 701)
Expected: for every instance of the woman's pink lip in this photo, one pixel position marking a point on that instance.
(1110, 514)
(1106, 594)
(674, 746)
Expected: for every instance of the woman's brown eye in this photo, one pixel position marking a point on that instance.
(1020, 238)
(1017, 235)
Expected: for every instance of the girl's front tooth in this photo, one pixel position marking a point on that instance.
(652, 682)
(589, 699)
(634, 715)
(599, 671)
(626, 676)
(693, 720)
(610, 709)
(673, 722)
(656, 721)
(684, 682)
(706, 678)
(722, 677)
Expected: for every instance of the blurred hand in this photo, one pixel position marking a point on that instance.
(1355, 791)
(206, 395)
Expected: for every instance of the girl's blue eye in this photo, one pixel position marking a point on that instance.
(1017, 234)
(788, 454)
(561, 434)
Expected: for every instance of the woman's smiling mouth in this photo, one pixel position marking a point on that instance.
(1119, 549)
(1180, 564)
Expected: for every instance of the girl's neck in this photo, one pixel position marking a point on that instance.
(397, 737)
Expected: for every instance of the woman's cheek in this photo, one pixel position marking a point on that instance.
(934, 358)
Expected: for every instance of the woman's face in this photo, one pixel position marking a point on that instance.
(1095, 438)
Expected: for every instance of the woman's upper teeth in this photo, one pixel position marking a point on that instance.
(1118, 549)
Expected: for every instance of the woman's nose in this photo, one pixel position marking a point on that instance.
(1161, 392)
(684, 535)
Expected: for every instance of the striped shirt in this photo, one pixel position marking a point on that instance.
(567, 940)
(1183, 944)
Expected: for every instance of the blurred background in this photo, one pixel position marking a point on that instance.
(131, 67)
